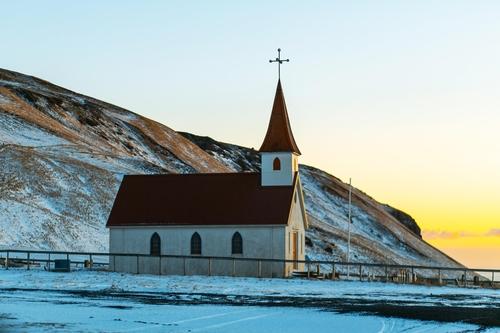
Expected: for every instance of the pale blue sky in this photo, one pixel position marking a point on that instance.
(403, 96)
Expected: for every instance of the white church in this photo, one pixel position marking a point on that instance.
(231, 215)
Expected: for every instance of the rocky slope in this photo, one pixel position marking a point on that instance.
(62, 156)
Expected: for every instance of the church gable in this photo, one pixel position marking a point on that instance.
(298, 216)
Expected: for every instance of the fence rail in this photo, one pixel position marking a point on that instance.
(312, 268)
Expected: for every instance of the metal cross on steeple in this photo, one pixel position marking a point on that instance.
(279, 61)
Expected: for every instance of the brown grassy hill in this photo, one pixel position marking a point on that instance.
(62, 156)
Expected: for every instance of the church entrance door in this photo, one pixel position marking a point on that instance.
(295, 253)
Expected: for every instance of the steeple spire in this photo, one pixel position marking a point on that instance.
(279, 136)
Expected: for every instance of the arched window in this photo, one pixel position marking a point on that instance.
(276, 164)
(155, 245)
(196, 243)
(237, 244)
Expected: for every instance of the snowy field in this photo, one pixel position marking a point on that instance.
(90, 301)
(32, 312)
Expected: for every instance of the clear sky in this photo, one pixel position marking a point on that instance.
(402, 96)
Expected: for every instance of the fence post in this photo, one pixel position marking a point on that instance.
(440, 279)
(69, 262)
(360, 272)
(137, 263)
(7, 261)
(412, 280)
(492, 278)
(209, 266)
(159, 264)
(333, 271)
(308, 270)
(28, 260)
(465, 278)
(91, 263)
(260, 268)
(234, 267)
(386, 274)
(184, 265)
(48, 262)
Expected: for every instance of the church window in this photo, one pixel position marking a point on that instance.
(155, 245)
(276, 164)
(196, 243)
(237, 244)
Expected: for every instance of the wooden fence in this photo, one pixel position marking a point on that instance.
(437, 275)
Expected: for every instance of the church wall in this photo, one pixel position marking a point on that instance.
(258, 242)
(296, 224)
(284, 176)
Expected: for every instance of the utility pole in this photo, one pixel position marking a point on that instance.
(349, 228)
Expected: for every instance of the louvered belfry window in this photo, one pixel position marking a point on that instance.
(155, 246)
(237, 244)
(196, 243)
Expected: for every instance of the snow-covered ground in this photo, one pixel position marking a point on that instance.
(101, 280)
(36, 300)
(22, 313)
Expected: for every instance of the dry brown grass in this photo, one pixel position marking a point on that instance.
(181, 147)
(34, 116)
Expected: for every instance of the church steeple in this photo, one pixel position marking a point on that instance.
(279, 153)
(279, 136)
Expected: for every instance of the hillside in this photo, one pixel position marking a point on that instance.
(62, 156)
(379, 232)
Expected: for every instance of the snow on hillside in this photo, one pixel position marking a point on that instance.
(15, 131)
(62, 156)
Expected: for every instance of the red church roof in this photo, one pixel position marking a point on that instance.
(279, 136)
(200, 199)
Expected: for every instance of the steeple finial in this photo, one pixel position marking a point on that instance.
(279, 61)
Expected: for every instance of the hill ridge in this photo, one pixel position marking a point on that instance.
(63, 155)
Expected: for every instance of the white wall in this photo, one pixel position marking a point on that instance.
(283, 177)
(296, 224)
(258, 242)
